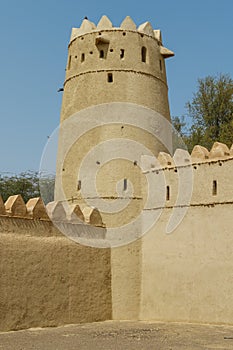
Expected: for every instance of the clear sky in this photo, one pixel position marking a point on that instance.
(34, 36)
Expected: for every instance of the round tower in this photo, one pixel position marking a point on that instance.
(115, 78)
(107, 64)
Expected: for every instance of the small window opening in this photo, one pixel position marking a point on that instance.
(125, 185)
(111, 50)
(122, 54)
(101, 53)
(91, 52)
(144, 51)
(135, 163)
(214, 190)
(168, 193)
(69, 62)
(110, 78)
(83, 57)
(160, 65)
(98, 163)
(79, 185)
(124, 33)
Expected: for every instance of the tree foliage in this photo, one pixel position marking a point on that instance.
(211, 112)
(29, 184)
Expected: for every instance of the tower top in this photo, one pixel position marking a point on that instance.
(128, 24)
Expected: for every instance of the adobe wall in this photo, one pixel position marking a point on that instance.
(185, 275)
(48, 280)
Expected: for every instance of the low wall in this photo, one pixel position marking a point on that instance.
(47, 279)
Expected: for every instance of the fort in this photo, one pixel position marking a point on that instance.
(49, 278)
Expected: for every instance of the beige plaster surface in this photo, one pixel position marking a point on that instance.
(187, 275)
(48, 280)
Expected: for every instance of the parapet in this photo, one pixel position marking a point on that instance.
(53, 211)
(181, 157)
(128, 24)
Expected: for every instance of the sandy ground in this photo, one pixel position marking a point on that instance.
(113, 335)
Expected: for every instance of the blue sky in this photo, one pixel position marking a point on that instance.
(34, 36)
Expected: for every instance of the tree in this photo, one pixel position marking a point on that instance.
(29, 184)
(211, 111)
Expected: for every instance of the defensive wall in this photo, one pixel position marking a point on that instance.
(49, 280)
(185, 275)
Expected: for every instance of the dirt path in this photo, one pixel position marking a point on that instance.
(121, 336)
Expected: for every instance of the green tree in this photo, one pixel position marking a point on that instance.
(29, 184)
(211, 112)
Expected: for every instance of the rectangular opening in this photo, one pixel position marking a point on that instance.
(122, 54)
(168, 193)
(214, 190)
(160, 65)
(101, 53)
(69, 62)
(110, 78)
(83, 57)
(144, 52)
(79, 185)
(125, 185)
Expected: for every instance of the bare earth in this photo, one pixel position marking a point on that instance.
(121, 335)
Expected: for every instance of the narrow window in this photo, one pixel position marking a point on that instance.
(110, 78)
(101, 53)
(144, 54)
(83, 57)
(79, 185)
(168, 193)
(160, 65)
(122, 54)
(214, 190)
(125, 185)
(69, 62)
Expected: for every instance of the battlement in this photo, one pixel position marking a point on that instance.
(219, 152)
(127, 25)
(56, 212)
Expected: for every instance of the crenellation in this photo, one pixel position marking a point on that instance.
(15, 206)
(146, 28)
(181, 157)
(87, 26)
(76, 214)
(128, 24)
(165, 159)
(219, 150)
(36, 209)
(2, 207)
(158, 36)
(104, 23)
(92, 216)
(199, 153)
